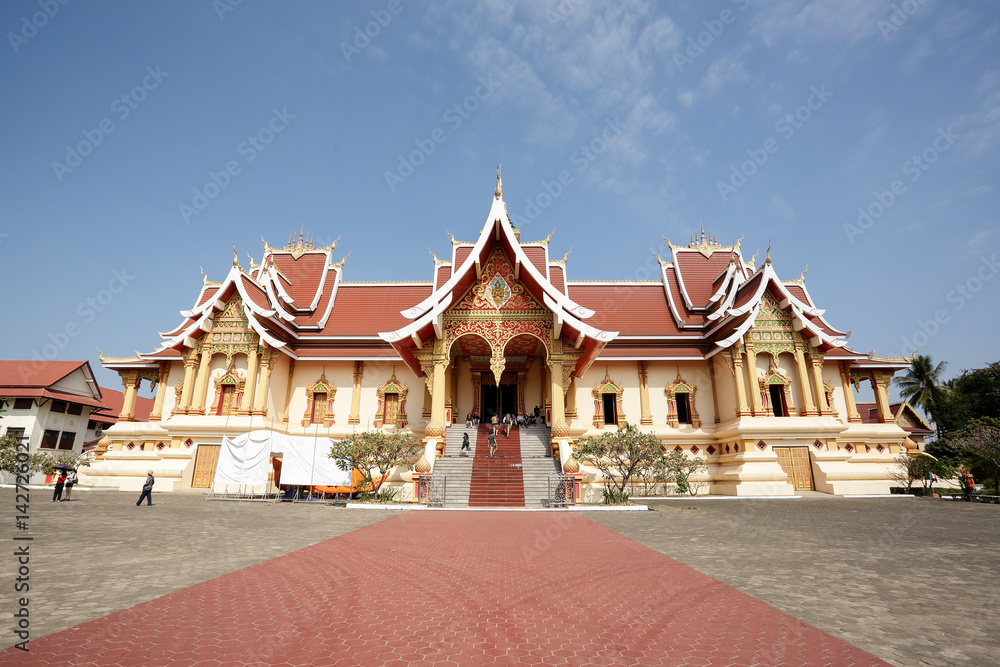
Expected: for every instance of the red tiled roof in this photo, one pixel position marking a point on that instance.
(314, 318)
(442, 276)
(256, 294)
(799, 293)
(698, 272)
(304, 273)
(632, 310)
(461, 254)
(15, 373)
(747, 291)
(557, 277)
(536, 255)
(364, 310)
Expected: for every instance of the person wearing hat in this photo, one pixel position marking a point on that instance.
(147, 491)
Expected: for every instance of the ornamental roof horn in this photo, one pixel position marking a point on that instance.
(498, 193)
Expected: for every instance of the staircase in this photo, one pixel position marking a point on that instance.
(536, 464)
(458, 469)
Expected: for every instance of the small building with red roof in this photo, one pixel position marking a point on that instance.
(717, 356)
(57, 406)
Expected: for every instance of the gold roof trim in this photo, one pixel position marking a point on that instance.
(801, 280)
(707, 244)
(543, 242)
(874, 357)
(300, 247)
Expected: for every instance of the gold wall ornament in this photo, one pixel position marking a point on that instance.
(229, 389)
(392, 411)
(608, 386)
(319, 413)
(681, 386)
(497, 292)
(775, 375)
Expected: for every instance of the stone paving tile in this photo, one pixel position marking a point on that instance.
(458, 587)
(913, 581)
(100, 553)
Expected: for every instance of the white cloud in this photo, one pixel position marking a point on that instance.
(823, 20)
(778, 206)
(727, 69)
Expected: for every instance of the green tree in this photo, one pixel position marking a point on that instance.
(34, 463)
(375, 454)
(973, 395)
(621, 456)
(922, 385)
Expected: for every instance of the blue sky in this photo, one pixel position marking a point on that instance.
(141, 140)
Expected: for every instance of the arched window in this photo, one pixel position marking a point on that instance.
(391, 404)
(608, 403)
(681, 408)
(319, 403)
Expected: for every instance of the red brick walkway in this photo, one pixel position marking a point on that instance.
(450, 588)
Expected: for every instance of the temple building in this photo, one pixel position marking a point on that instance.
(718, 357)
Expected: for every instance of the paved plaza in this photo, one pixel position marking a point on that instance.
(817, 580)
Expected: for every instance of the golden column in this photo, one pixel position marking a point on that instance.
(559, 427)
(251, 384)
(808, 407)
(161, 390)
(816, 366)
(571, 401)
(288, 391)
(359, 371)
(435, 428)
(131, 382)
(739, 378)
(201, 386)
(187, 389)
(755, 403)
(715, 393)
(646, 416)
(454, 392)
(880, 384)
(845, 381)
(263, 382)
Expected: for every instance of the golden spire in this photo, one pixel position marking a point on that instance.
(768, 259)
(498, 193)
(236, 255)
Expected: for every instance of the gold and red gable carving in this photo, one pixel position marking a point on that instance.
(497, 289)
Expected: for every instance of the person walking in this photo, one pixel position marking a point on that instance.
(147, 490)
(465, 445)
(492, 438)
(71, 479)
(60, 483)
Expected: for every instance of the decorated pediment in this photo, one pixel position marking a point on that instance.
(497, 290)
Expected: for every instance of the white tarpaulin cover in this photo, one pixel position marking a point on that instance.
(246, 459)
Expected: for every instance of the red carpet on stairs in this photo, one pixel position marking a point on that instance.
(497, 481)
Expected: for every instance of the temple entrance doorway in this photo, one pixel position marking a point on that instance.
(498, 402)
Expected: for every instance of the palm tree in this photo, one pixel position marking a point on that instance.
(922, 384)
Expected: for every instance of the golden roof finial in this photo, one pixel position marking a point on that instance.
(768, 259)
(303, 229)
(236, 255)
(100, 355)
(498, 193)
